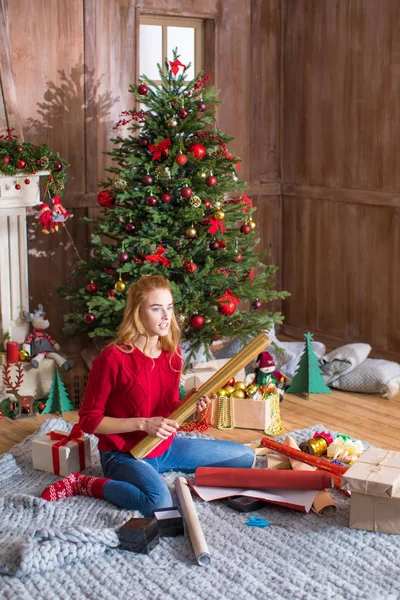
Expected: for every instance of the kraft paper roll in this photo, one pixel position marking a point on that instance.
(323, 504)
(192, 522)
(238, 362)
(262, 478)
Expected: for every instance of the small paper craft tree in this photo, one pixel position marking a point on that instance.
(308, 378)
(58, 399)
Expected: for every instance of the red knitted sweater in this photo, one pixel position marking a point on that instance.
(130, 385)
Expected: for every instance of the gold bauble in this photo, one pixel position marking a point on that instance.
(120, 285)
(240, 385)
(23, 355)
(191, 232)
(194, 201)
(219, 215)
(251, 389)
(239, 393)
(251, 224)
(221, 392)
(217, 204)
(229, 389)
(182, 319)
(172, 123)
(119, 183)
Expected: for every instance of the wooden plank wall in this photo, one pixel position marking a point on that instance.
(341, 176)
(310, 91)
(66, 71)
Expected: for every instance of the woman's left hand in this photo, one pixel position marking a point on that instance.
(202, 403)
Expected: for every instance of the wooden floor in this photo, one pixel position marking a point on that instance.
(366, 417)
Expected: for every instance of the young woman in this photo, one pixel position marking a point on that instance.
(133, 387)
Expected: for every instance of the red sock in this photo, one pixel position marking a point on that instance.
(75, 484)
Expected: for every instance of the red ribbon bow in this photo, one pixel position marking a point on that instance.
(175, 64)
(248, 201)
(229, 297)
(158, 149)
(158, 257)
(215, 225)
(74, 436)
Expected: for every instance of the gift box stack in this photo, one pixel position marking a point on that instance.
(374, 483)
(61, 453)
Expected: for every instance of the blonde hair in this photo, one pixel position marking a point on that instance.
(132, 326)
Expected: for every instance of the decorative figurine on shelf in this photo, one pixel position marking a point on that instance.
(59, 214)
(266, 373)
(45, 219)
(39, 344)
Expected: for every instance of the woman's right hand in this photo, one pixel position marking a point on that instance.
(160, 427)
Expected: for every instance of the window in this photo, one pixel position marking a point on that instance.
(158, 36)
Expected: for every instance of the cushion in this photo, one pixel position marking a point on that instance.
(372, 376)
(343, 360)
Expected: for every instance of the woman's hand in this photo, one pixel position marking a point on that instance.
(202, 403)
(160, 427)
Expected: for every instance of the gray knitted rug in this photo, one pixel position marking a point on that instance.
(69, 549)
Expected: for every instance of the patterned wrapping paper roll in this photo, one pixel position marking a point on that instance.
(323, 505)
(262, 478)
(243, 358)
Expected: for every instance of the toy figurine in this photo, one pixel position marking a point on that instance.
(39, 344)
(266, 373)
(45, 219)
(59, 214)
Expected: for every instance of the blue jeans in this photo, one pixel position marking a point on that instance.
(137, 485)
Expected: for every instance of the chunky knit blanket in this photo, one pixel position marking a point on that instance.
(69, 549)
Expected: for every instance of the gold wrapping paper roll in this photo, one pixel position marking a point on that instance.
(323, 504)
(246, 355)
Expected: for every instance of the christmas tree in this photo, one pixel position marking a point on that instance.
(308, 378)
(173, 205)
(58, 399)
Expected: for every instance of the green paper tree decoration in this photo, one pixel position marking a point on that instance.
(308, 378)
(58, 399)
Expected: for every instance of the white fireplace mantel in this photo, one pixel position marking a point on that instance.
(14, 293)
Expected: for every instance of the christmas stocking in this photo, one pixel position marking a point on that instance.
(75, 484)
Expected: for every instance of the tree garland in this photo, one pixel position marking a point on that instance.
(24, 158)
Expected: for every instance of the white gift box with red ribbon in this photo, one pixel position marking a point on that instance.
(62, 453)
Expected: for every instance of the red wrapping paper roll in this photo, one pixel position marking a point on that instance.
(263, 478)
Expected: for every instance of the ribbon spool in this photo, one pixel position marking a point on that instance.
(316, 446)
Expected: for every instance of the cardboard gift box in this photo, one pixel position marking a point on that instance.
(244, 413)
(61, 453)
(375, 513)
(200, 372)
(376, 473)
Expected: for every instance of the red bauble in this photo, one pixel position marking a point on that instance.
(142, 89)
(190, 267)
(201, 106)
(89, 318)
(91, 287)
(186, 192)
(20, 165)
(205, 221)
(211, 180)
(17, 186)
(238, 258)
(105, 198)
(256, 304)
(1, 414)
(197, 150)
(27, 181)
(19, 148)
(182, 113)
(151, 200)
(230, 382)
(227, 308)
(197, 321)
(143, 142)
(130, 227)
(181, 159)
(245, 229)
(207, 203)
(6, 160)
(166, 198)
(222, 244)
(147, 180)
(123, 256)
(57, 166)
(214, 245)
(41, 406)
